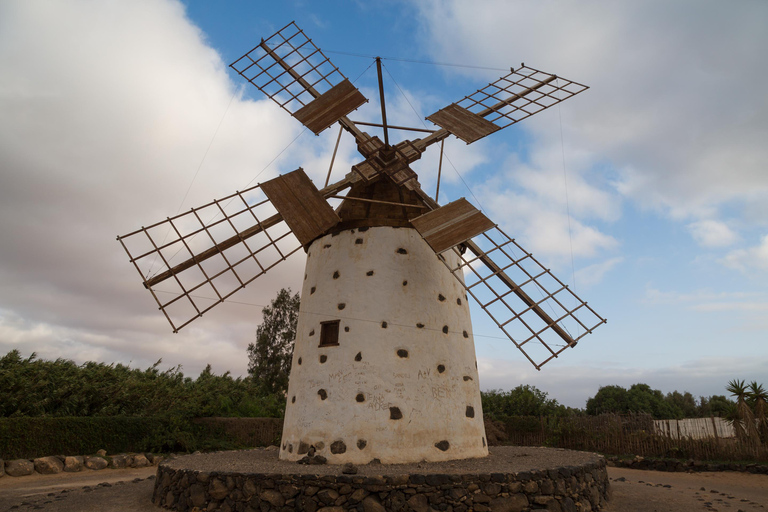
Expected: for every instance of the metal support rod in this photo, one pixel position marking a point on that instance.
(335, 148)
(236, 239)
(424, 130)
(347, 198)
(383, 105)
(439, 169)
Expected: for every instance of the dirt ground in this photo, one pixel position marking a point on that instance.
(130, 490)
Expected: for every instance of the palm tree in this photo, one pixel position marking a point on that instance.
(758, 397)
(744, 415)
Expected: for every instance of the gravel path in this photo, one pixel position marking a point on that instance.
(654, 491)
(502, 459)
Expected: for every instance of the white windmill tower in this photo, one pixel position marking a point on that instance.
(384, 359)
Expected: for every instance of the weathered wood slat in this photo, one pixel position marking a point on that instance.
(330, 106)
(301, 205)
(451, 225)
(464, 124)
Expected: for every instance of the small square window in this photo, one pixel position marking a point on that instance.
(329, 333)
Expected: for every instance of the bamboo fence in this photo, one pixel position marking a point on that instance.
(632, 434)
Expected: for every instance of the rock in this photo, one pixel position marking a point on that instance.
(328, 496)
(19, 467)
(95, 462)
(2, 468)
(153, 459)
(331, 509)
(358, 496)
(218, 489)
(48, 465)
(513, 503)
(119, 461)
(371, 504)
(349, 469)
(273, 497)
(197, 495)
(101, 453)
(419, 503)
(139, 461)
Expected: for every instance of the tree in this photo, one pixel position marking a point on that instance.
(270, 357)
(742, 419)
(639, 398)
(608, 399)
(524, 400)
(685, 402)
(758, 397)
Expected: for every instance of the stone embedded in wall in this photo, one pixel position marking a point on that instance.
(443, 445)
(359, 356)
(369, 273)
(440, 368)
(323, 358)
(402, 353)
(470, 412)
(361, 443)
(445, 329)
(360, 397)
(323, 394)
(395, 414)
(338, 447)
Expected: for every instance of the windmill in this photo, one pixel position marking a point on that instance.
(384, 361)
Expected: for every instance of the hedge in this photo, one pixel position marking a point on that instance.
(31, 437)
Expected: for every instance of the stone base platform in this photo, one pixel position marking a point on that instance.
(510, 479)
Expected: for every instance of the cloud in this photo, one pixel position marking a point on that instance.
(594, 274)
(752, 258)
(110, 113)
(661, 112)
(712, 233)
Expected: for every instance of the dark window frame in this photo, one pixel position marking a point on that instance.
(329, 333)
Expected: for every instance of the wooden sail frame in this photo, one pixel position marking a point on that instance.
(533, 308)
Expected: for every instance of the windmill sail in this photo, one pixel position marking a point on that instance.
(193, 261)
(295, 74)
(508, 100)
(538, 312)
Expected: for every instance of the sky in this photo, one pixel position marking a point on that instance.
(648, 193)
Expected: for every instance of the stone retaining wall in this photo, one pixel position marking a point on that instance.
(567, 489)
(675, 465)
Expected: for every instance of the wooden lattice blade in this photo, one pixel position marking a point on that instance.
(539, 313)
(294, 73)
(510, 99)
(302, 206)
(451, 225)
(194, 261)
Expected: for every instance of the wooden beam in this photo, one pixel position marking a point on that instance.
(236, 239)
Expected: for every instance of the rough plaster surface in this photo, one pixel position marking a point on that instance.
(366, 398)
